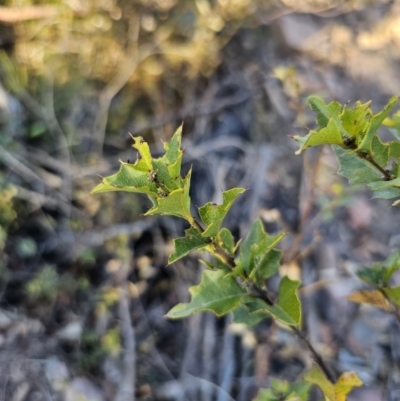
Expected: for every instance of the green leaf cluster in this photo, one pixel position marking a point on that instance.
(378, 276)
(236, 279)
(282, 390)
(363, 157)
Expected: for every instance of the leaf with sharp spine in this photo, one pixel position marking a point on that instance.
(355, 120)
(217, 292)
(380, 151)
(212, 215)
(324, 112)
(190, 242)
(329, 135)
(355, 169)
(143, 148)
(376, 122)
(176, 203)
(129, 179)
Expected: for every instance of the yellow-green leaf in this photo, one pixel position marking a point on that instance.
(376, 122)
(393, 294)
(128, 179)
(176, 203)
(333, 391)
(212, 214)
(329, 135)
(143, 148)
(370, 297)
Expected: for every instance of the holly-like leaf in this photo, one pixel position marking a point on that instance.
(380, 151)
(143, 148)
(176, 203)
(354, 168)
(130, 179)
(288, 307)
(324, 112)
(333, 391)
(329, 135)
(258, 260)
(212, 214)
(217, 292)
(370, 297)
(173, 151)
(265, 260)
(190, 242)
(254, 236)
(376, 122)
(355, 121)
(250, 311)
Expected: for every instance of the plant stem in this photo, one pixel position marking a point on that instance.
(317, 357)
(386, 174)
(263, 295)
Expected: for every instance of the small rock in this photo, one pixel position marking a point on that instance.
(56, 373)
(71, 332)
(5, 320)
(83, 390)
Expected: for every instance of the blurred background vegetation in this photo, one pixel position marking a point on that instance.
(82, 277)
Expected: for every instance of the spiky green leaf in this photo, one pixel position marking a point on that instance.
(354, 168)
(176, 203)
(376, 122)
(288, 307)
(217, 292)
(212, 214)
(192, 241)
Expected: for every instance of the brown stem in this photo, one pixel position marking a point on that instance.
(317, 357)
(386, 174)
(197, 225)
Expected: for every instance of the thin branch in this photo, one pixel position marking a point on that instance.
(386, 174)
(317, 357)
(263, 295)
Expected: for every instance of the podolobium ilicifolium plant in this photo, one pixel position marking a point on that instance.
(236, 280)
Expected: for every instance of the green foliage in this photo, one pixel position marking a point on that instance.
(282, 390)
(258, 260)
(288, 307)
(363, 157)
(217, 292)
(212, 214)
(190, 242)
(333, 391)
(236, 280)
(111, 342)
(45, 285)
(7, 211)
(378, 276)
